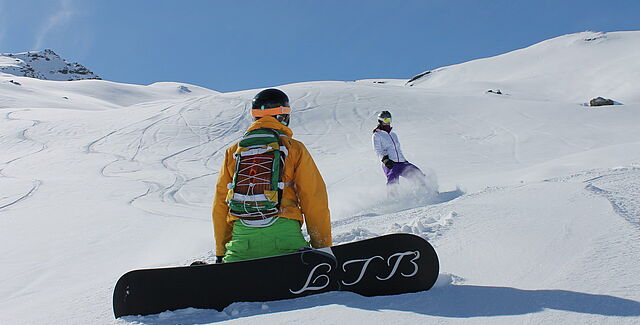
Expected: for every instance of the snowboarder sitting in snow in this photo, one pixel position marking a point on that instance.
(266, 191)
(387, 146)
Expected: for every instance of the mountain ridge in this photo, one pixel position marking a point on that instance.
(44, 64)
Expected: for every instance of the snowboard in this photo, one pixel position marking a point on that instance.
(384, 265)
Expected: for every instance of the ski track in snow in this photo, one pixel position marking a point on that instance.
(151, 135)
(8, 200)
(620, 186)
(29, 147)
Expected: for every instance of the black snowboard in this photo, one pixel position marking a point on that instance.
(385, 265)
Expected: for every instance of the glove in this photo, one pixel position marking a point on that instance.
(219, 259)
(198, 263)
(387, 162)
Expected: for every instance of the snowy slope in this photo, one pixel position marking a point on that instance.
(537, 220)
(570, 68)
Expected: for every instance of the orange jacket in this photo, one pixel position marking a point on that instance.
(304, 198)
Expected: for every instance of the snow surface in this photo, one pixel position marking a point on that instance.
(537, 218)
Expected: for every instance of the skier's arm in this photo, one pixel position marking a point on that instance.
(377, 145)
(221, 228)
(313, 200)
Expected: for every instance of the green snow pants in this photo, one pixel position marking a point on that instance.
(282, 237)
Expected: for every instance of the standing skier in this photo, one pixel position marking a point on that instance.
(265, 192)
(387, 146)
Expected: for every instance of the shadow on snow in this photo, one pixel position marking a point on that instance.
(453, 301)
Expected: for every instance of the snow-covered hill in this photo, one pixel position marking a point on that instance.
(537, 220)
(45, 64)
(570, 68)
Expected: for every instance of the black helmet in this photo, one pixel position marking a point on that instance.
(384, 117)
(271, 102)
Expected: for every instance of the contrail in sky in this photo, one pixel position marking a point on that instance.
(58, 18)
(2, 20)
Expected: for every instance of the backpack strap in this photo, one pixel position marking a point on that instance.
(282, 158)
(251, 145)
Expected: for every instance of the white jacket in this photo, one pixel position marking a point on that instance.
(387, 144)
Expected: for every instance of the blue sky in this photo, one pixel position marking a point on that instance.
(246, 44)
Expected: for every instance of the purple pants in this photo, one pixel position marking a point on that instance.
(404, 169)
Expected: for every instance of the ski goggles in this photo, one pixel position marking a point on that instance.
(386, 120)
(270, 111)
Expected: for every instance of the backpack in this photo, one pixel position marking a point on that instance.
(256, 188)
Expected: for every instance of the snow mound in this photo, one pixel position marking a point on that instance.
(447, 279)
(426, 226)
